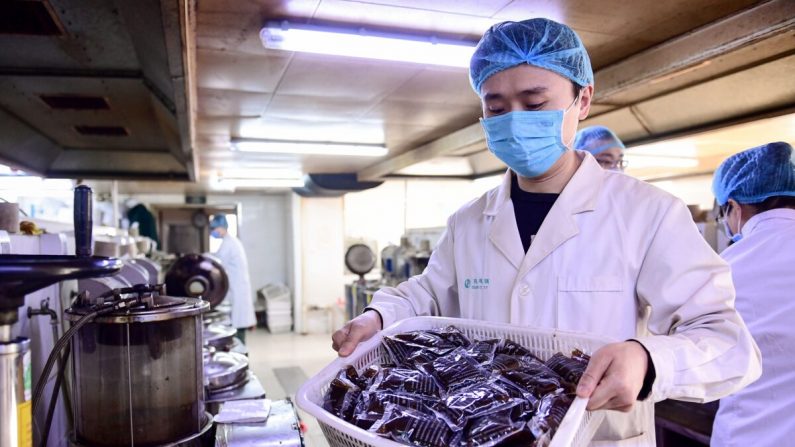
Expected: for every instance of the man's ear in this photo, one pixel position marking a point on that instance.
(586, 95)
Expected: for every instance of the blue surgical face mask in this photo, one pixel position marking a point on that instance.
(733, 237)
(215, 234)
(528, 142)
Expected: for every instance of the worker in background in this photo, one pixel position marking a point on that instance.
(604, 145)
(565, 244)
(147, 226)
(233, 258)
(756, 192)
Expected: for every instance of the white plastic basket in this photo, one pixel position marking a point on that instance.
(576, 429)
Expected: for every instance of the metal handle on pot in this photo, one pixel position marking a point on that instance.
(83, 221)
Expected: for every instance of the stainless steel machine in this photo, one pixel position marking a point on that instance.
(138, 377)
(23, 274)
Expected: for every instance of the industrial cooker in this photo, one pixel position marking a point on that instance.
(138, 377)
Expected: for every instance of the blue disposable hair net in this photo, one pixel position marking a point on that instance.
(219, 220)
(538, 42)
(754, 175)
(596, 139)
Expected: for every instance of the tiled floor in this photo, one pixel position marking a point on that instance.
(309, 352)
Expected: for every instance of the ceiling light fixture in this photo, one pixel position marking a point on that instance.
(236, 184)
(366, 44)
(308, 147)
(260, 174)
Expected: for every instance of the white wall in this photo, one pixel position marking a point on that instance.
(322, 251)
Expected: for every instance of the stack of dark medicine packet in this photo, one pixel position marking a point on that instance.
(441, 389)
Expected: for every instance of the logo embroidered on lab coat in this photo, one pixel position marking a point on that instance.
(476, 283)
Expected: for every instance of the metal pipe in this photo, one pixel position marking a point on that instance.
(5, 333)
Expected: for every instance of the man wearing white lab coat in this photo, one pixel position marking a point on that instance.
(756, 191)
(596, 251)
(233, 258)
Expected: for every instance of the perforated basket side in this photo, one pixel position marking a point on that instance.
(577, 428)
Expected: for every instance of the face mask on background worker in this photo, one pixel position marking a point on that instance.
(530, 75)
(216, 234)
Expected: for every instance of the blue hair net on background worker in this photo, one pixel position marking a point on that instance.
(756, 174)
(219, 220)
(539, 42)
(603, 144)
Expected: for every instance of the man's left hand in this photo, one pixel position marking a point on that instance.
(614, 376)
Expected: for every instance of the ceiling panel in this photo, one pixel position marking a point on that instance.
(425, 114)
(621, 121)
(438, 85)
(229, 31)
(314, 107)
(130, 107)
(706, 150)
(400, 137)
(244, 72)
(482, 8)
(614, 29)
(328, 76)
(462, 26)
(95, 36)
(302, 8)
(213, 102)
(723, 98)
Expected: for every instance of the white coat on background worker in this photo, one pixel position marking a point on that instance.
(233, 257)
(756, 191)
(613, 256)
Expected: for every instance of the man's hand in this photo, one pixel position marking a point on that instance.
(614, 376)
(361, 328)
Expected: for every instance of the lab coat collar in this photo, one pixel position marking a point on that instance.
(579, 195)
(755, 222)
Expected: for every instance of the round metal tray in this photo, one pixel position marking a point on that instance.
(219, 336)
(224, 369)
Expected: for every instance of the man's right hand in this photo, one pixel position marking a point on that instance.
(360, 329)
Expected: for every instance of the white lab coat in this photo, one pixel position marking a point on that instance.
(614, 256)
(233, 258)
(763, 268)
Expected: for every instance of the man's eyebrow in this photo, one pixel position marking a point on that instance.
(534, 90)
(526, 92)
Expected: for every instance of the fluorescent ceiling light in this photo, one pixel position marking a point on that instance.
(308, 147)
(261, 174)
(366, 44)
(259, 183)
